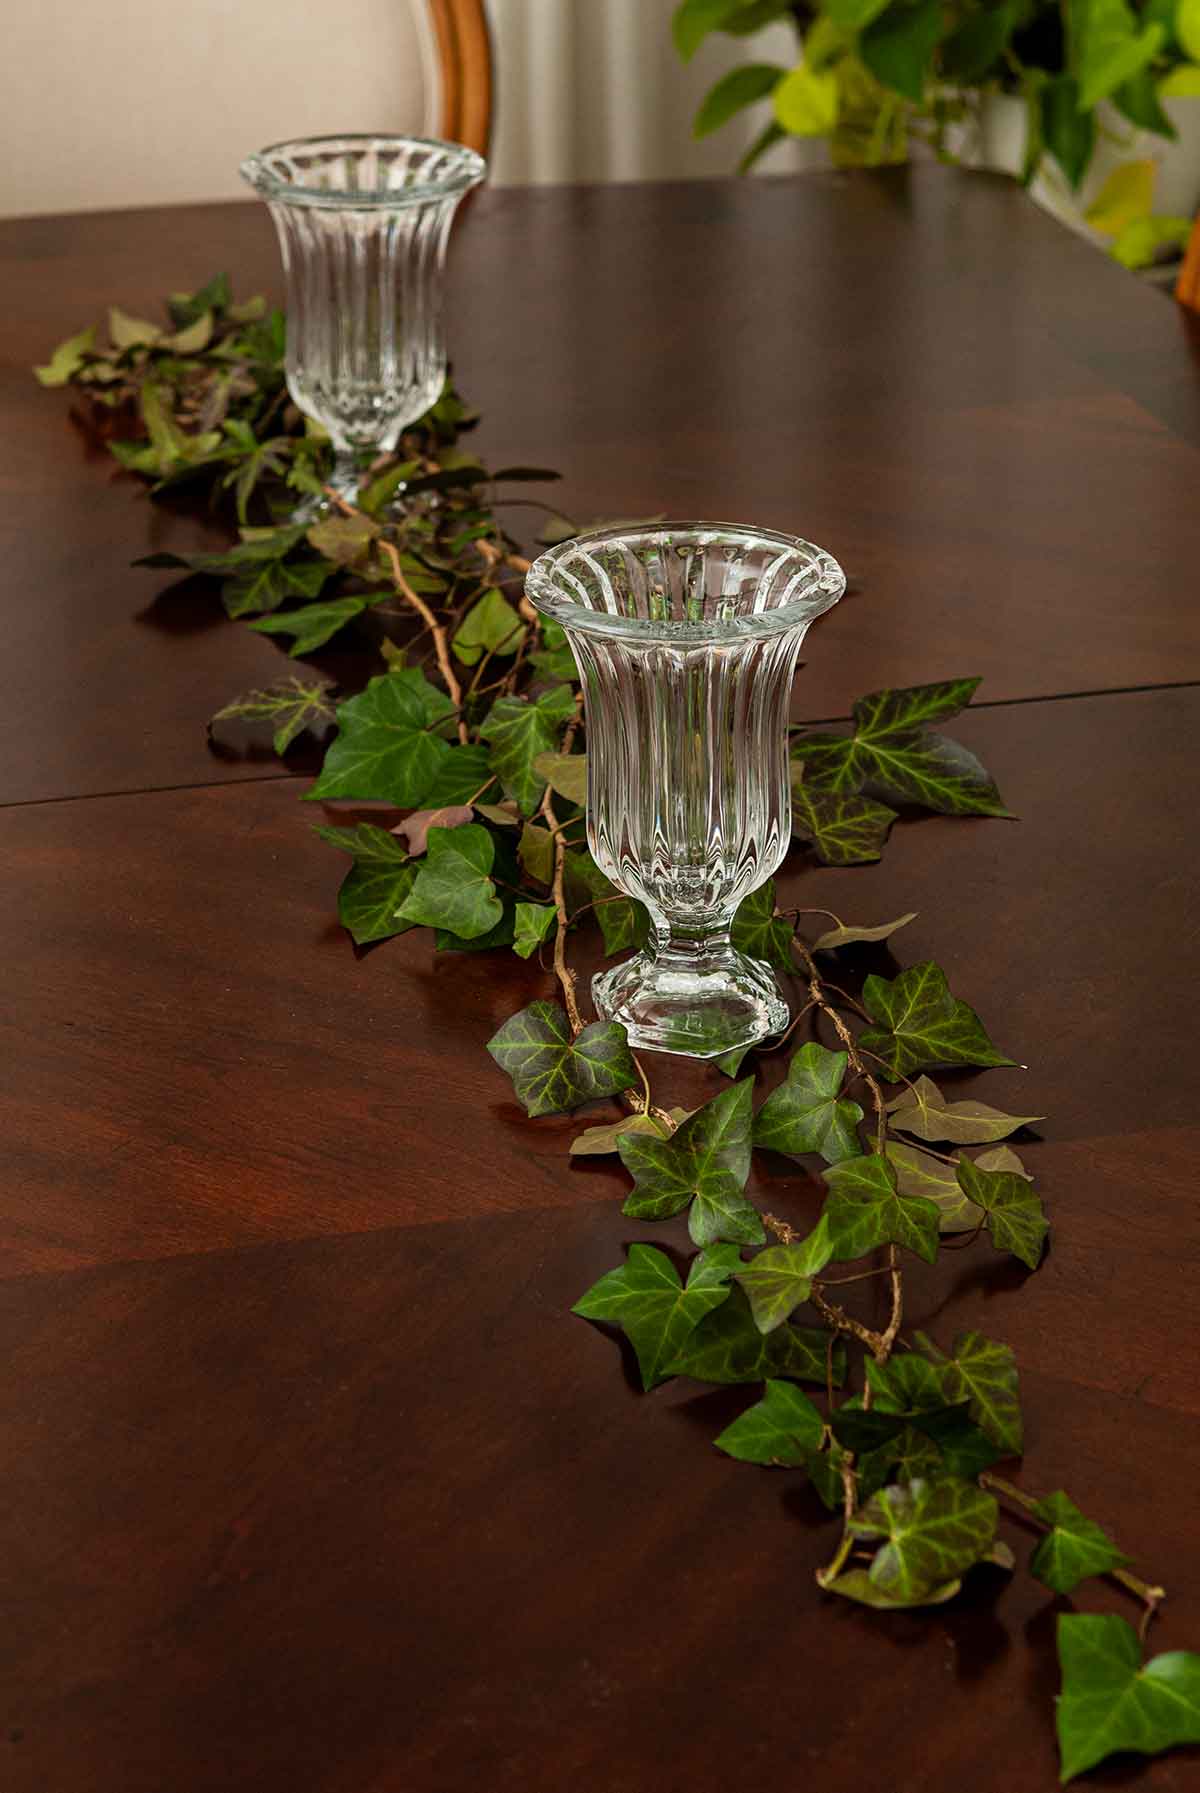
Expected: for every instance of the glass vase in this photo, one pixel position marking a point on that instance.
(686, 638)
(362, 224)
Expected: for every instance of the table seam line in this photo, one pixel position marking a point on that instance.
(217, 784)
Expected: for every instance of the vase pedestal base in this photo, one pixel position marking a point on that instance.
(698, 1009)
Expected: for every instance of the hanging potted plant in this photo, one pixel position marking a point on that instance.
(1093, 104)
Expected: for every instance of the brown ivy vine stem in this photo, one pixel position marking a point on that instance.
(562, 971)
(495, 557)
(440, 645)
(880, 1343)
(1150, 1596)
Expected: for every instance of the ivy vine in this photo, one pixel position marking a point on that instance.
(473, 725)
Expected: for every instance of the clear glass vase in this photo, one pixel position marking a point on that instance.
(686, 638)
(362, 224)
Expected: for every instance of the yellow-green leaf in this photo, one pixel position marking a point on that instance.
(1183, 83)
(125, 332)
(67, 358)
(806, 102)
(565, 773)
(1187, 27)
(1128, 193)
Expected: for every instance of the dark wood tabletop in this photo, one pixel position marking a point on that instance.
(310, 1481)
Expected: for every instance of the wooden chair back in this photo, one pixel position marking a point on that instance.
(1187, 287)
(465, 59)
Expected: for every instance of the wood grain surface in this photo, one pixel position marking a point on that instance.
(996, 431)
(310, 1482)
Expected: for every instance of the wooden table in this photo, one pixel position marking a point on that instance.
(310, 1482)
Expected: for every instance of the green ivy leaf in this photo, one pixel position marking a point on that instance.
(503, 934)
(625, 924)
(490, 626)
(852, 15)
(728, 1347)
(983, 1373)
(740, 88)
(646, 1299)
(376, 884)
(260, 578)
(919, 1024)
(314, 625)
(920, 1173)
(808, 1113)
(460, 774)
(865, 1208)
(536, 852)
(66, 360)
(1183, 82)
(126, 332)
(900, 708)
(263, 587)
(518, 731)
(1107, 49)
(1014, 1214)
(694, 20)
(599, 1141)
(1138, 100)
(453, 888)
(825, 1473)
(898, 47)
(1069, 129)
(293, 705)
(841, 828)
(933, 1531)
(856, 1584)
(976, 45)
(1111, 1700)
(705, 1162)
(757, 931)
(924, 1446)
(552, 1073)
(782, 1429)
(926, 1405)
(383, 748)
(924, 1111)
(215, 295)
(893, 755)
(1187, 27)
(565, 773)
(534, 921)
(850, 936)
(779, 1280)
(194, 339)
(346, 541)
(1073, 1548)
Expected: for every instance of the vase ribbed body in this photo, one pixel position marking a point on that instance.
(689, 804)
(686, 638)
(363, 224)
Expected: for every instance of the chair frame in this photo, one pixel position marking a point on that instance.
(464, 45)
(1187, 287)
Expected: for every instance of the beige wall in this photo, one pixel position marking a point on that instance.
(145, 102)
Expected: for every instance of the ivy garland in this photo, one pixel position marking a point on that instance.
(473, 724)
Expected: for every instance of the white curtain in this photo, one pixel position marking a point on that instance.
(592, 90)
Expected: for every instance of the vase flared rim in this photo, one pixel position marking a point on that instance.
(463, 170)
(819, 580)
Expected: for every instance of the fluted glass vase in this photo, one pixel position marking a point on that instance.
(686, 638)
(362, 224)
